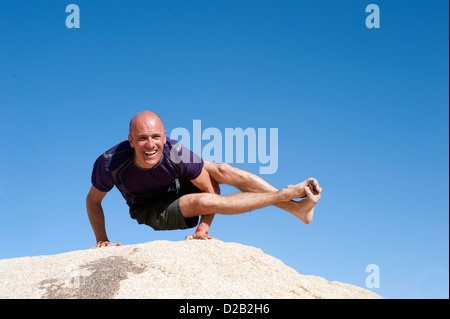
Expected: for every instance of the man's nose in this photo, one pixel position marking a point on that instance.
(150, 143)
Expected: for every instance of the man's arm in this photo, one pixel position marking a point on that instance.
(97, 217)
(206, 184)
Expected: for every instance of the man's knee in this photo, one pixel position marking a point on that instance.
(201, 204)
(207, 203)
(226, 174)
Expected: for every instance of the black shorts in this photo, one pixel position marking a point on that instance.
(165, 213)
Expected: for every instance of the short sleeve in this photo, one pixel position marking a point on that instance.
(101, 176)
(194, 168)
(189, 164)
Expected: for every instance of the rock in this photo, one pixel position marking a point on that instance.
(163, 269)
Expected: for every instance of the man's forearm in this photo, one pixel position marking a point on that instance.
(208, 185)
(205, 222)
(97, 220)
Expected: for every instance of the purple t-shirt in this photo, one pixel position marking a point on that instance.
(140, 186)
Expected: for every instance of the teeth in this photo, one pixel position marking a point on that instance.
(150, 153)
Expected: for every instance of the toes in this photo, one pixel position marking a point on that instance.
(308, 191)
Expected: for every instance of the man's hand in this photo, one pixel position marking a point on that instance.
(201, 236)
(105, 243)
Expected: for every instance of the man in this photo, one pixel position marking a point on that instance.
(168, 187)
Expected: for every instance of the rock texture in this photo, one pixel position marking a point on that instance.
(162, 269)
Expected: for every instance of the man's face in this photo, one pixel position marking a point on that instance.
(147, 138)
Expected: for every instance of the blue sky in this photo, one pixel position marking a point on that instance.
(365, 111)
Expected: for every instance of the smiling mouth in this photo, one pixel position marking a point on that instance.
(150, 153)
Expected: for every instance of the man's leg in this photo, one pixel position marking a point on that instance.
(248, 182)
(206, 204)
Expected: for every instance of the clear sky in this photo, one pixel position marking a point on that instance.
(365, 111)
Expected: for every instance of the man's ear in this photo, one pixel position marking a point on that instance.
(130, 139)
(165, 136)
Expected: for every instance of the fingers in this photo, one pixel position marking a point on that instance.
(109, 244)
(105, 244)
(198, 236)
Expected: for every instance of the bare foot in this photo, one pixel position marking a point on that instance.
(313, 194)
(299, 190)
(304, 209)
(307, 213)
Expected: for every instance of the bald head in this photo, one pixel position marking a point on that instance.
(147, 137)
(145, 117)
